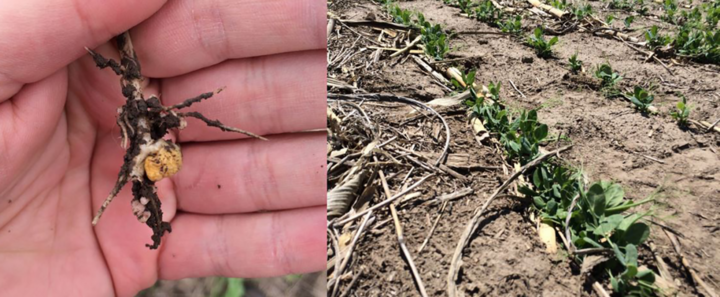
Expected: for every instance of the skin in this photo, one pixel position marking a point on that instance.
(238, 208)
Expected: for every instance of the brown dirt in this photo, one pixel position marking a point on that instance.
(506, 257)
(308, 285)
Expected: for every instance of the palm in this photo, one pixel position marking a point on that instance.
(46, 237)
(68, 158)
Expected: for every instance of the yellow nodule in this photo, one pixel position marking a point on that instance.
(163, 163)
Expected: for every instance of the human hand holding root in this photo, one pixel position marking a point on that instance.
(60, 146)
(144, 122)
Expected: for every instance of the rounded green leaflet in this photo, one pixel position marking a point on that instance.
(608, 225)
(646, 275)
(614, 193)
(596, 197)
(551, 207)
(537, 180)
(541, 132)
(631, 255)
(556, 191)
(637, 233)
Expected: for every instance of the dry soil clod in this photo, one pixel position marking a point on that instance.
(143, 123)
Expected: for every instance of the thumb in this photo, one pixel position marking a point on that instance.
(38, 37)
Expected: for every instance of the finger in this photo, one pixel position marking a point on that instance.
(247, 176)
(27, 123)
(187, 35)
(265, 95)
(248, 245)
(38, 37)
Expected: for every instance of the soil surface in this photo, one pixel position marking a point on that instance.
(307, 285)
(646, 154)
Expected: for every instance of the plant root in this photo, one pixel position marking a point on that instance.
(143, 123)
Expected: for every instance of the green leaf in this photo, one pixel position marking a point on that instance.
(618, 253)
(628, 221)
(614, 193)
(539, 202)
(637, 233)
(631, 255)
(532, 115)
(646, 275)
(596, 197)
(470, 78)
(556, 191)
(456, 83)
(527, 191)
(553, 41)
(631, 271)
(541, 132)
(537, 180)
(551, 207)
(608, 225)
(614, 283)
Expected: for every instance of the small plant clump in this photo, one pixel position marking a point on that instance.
(468, 79)
(670, 7)
(575, 64)
(143, 123)
(628, 21)
(434, 38)
(701, 46)
(608, 78)
(401, 16)
(682, 113)
(465, 5)
(580, 12)
(542, 47)
(486, 12)
(654, 39)
(641, 98)
(559, 4)
(696, 39)
(512, 26)
(609, 19)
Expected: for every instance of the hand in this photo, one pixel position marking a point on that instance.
(60, 148)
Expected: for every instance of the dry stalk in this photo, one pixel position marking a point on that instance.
(695, 276)
(384, 203)
(338, 273)
(432, 229)
(401, 238)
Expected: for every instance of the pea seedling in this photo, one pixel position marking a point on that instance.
(682, 113)
(542, 48)
(608, 77)
(641, 98)
(575, 64)
(144, 122)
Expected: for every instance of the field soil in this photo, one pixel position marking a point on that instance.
(649, 155)
(306, 285)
